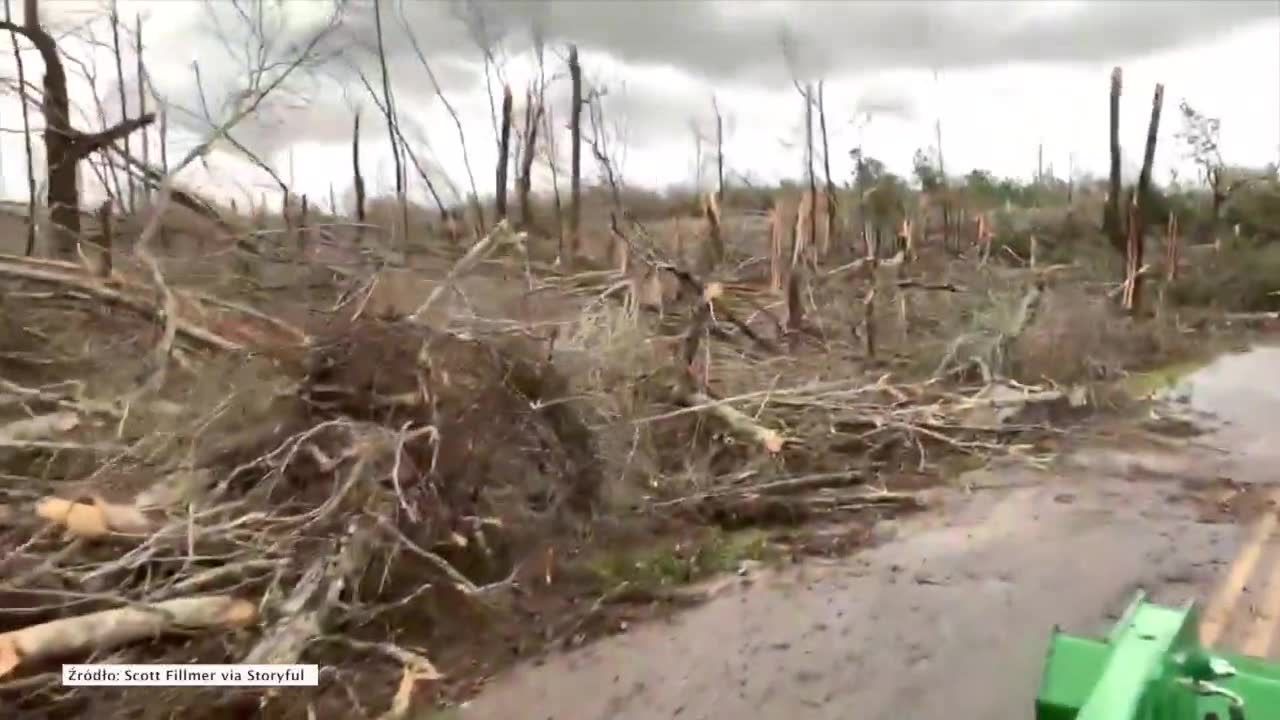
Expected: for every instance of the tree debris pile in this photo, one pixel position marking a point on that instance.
(384, 469)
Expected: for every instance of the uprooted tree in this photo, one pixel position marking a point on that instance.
(65, 146)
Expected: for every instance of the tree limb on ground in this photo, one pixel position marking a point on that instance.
(111, 628)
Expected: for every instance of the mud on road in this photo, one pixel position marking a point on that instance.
(950, 618)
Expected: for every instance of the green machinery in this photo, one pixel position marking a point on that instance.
(1152, 667)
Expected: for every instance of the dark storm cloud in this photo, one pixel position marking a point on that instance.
(740, 41)
(718, 44)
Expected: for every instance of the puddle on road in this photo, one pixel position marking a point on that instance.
(1236, 399)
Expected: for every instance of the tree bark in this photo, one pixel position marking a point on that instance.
(504, 156)
(532, 117)
(1113, 221)
(826, 168)
(1141, 202)
(358, 179)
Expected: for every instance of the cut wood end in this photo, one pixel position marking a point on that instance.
(773, 441)
(9, 658)
(712, 291)
(93, 520)
(79, 519)
(240, 613)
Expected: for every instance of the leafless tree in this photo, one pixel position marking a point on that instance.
(474, 199)
(64, 146)
(826, 166)
(142, 90)
(114, 16)
(26, 133)
(357, 177)
(1113, 220)
(715, 107)
(504, 156)
(389, 110)
(1200, 136)
(532, 118)
(575, 163)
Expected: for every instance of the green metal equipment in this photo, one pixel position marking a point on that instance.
(1152, 667)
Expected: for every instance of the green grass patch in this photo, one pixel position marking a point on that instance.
(679, 563)
(1150, 383)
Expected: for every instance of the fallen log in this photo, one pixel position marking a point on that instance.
(119, 626)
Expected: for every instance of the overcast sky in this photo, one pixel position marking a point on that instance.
(1003, 78)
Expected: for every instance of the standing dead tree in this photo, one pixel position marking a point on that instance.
(26, 134)
(575, 161)
(715, 107)
(942, 183)
(1112, 221)
(142, 93)
(389, 110)
(474, 199)
(114, 16)
(1199, 134)
(357, 177)
(504, 156)
(1140, 206)
(826, 168)
(65, 147)
(524, 183)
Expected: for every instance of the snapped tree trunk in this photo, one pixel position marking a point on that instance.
(532, 117)
(357, 178)
(124, 102)
(504, 156)
(826, 168)
(1141, 203)
(1113, 222)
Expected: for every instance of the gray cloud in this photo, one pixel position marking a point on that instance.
(740, 41)
(721, 45)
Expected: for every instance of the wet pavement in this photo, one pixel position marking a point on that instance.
(951, 618)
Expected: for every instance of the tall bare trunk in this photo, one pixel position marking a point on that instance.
(124, 101)
(26, 132)
(164, 165)
(358, 179)
(142, 96)
(575, 162)
(942, 186)
(719, 148)
(826, 168)
(1113, 221)
(1141, 205)
(390, 112)
(809, 171)
(532, 117)
(504, 156)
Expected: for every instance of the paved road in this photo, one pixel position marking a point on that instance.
(951, 619)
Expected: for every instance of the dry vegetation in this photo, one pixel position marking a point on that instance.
(411, 451)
